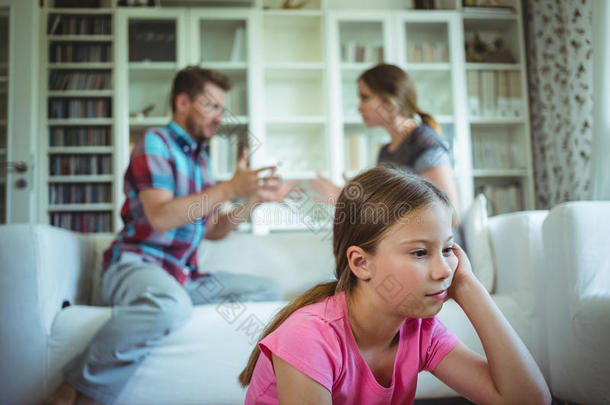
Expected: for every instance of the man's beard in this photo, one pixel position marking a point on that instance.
(192, 129)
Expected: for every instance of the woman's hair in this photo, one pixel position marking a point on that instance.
(395, 86)
(367, 207)
(192, 80)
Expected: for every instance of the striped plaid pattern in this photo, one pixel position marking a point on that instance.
(165, 158)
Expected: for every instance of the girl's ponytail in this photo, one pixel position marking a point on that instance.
(311, 296)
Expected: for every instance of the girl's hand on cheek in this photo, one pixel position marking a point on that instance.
(463, 273)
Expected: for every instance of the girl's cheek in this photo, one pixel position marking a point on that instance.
(453, 263)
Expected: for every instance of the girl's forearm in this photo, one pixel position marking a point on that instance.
(513, 369)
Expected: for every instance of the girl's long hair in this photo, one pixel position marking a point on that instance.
(367, 207)
(395, 86)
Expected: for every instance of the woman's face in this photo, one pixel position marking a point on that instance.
(374, 110)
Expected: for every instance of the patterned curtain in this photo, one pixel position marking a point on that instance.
(560, 73)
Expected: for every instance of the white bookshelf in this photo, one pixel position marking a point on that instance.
(80, 125)
(499, 119)
(294, 99)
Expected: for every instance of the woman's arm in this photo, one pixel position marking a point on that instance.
(509, 374)
(294, 387)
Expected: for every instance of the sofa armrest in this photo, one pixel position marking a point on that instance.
(517, 245)
(42, 266)
(578, 300)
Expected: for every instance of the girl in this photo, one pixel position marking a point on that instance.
(363, 338)
(388, 99)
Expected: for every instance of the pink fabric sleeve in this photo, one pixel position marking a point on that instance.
(440, 342)
(309, 344)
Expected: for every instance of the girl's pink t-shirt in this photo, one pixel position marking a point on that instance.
(317, 340)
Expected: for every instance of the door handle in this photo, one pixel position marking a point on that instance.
(18, 167)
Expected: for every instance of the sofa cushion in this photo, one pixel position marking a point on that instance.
(476, 237)
(294, 260)
(207, 354)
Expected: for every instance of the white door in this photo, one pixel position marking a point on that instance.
(19, 109)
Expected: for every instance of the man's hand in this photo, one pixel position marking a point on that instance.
(276, 190)
(246, 182)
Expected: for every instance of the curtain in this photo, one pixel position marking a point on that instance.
(560, 73)
(601, 100)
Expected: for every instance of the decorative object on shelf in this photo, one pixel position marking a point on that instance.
(493, 6)
(77, 3)
(291, 5)
(424, 5)
(143, 112)
(152, 41)
(137, 3)
(479, 51)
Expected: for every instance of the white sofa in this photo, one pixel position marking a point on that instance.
(44, 268)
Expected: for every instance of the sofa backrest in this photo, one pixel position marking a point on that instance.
(294, 260)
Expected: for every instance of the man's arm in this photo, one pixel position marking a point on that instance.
(273, 190)
(164, 212)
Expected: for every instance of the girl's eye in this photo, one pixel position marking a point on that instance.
(419, 253)
(448, 250)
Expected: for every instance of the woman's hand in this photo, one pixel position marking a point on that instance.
(328, 192)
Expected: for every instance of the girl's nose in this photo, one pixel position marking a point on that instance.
(441, 269)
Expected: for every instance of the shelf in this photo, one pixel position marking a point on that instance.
(81, 93)
(149, 122)
(357, 120)
(292, 13)
(163, 121)
(80, 38)
(279, 66)
(235, 120)
(357, 66)
(224, 65)
(81, 11)
(305, 120)
(499, 173)
(427, 66)
(80, 121)
(497, 120)
(80, 207)
(152, 66)
(494, 66)
(81, 65)
(95, 178)
(482, 13)
(80, 149)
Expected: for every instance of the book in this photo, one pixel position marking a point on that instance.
(237, 52)
(473, 92)
(488, 93)
(516, 103)
(503, 91)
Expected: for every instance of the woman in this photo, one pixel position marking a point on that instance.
(388, 99)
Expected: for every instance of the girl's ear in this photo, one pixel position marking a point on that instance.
(358, 263)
